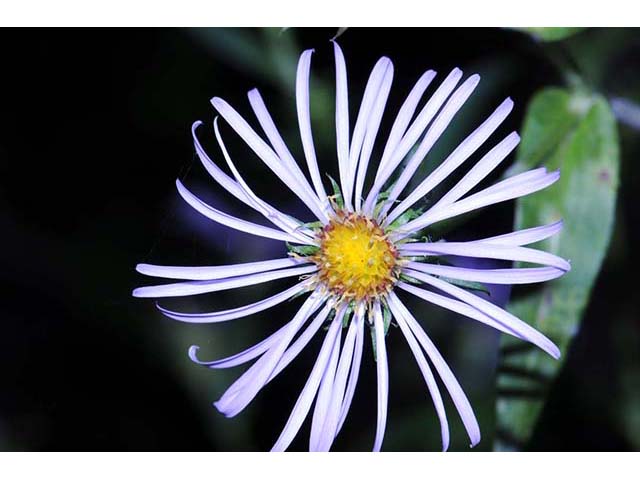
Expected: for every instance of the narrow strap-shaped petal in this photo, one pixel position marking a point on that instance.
(287, 357)
(342, 123)
(523, 329)
(429, 379)
(304, 121)
(231, 221)
(405, 114)
(324, 397)
(462, 152)
(355, 367)
(285, 222)
(197, 287)
(480, 170)
(269, 157)
(500, 276)
(329, 430)
(303, 404)
(498, 193)
(455, 306)
(219, 271)
(448, 378)
(423, 119)
(233, 402)
(382, 370)
(238, 312)
(485, 250)
(373, 125)
(525, 236)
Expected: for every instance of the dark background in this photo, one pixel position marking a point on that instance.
(94, 129)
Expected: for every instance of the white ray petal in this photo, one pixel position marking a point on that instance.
(234, 401)
(207, 286)
(430, 381)
(417, 128)
(303, 404)
(324, 397)
(355, 367)
(342, 123)
(329, 429)
(269, 157)
(498, 193)
(238, 312)
(455, 306)
(501, 276)
(372, 127)
(382, 369)
(486, 250)
(234, 222)
(510, 321)
(218, 271)
(462, 152)
(525, 236)
(448, 378)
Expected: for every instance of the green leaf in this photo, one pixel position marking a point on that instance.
(575, 132)
(550, 34)
(406, 217)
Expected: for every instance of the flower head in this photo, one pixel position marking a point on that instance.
(363, 248)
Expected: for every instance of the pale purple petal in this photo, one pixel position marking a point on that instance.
(526, 236)
(239, 312)
(412, 135)
(462, 152)
(324, 397)
(329, 430)
(373, 125)
(217, 272)
(342, 123)
(405, 114)
(486, 250)
(480, 170)
(233, 222)
(237, 398)
(355, 368)
(282, 220)
(456, 306)
(303, 404)
(197, 287)
(502, 276)
(383, 377)
(304, 120)
(430, 381)
(512, 322)
(498, 193)
(269, 157)
(448, 378)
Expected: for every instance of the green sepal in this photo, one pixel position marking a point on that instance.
(337, 193)
(467, 285)
(302, 250)
(406, 217)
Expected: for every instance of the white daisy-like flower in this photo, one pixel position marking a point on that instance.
(363, 248)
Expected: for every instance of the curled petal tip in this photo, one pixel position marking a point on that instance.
(192, 353)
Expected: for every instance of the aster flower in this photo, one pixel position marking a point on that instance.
(362, 249)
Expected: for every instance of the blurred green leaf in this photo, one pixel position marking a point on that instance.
(550, 34)
(575, 132)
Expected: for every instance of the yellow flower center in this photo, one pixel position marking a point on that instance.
(356, 261)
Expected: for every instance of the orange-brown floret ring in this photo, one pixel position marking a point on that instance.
(356, 260)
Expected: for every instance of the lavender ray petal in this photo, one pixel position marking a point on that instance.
(524, 330)
(383, 378)
(238, 312)
(355, 369)
(197, 287)
(429, 379)
(342, 123)
(303, 404)
(448, 378)
(526, 236)
(304, 121)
